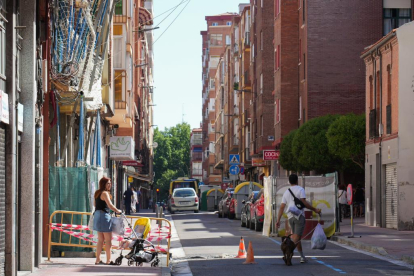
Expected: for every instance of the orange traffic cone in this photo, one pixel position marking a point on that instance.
(242, 250)
(250, 255)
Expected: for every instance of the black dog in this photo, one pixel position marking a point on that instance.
(288, 246)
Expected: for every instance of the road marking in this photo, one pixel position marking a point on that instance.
(328, 265)
(278, 242)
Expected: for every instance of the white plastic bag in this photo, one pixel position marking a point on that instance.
(118, 226)
(318, 240)
(90, 224)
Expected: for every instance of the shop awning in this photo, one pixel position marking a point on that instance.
(142, 177)
(145, 17)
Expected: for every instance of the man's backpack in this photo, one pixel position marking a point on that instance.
(298, 203)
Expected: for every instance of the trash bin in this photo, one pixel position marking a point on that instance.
(241, 192)
(213, 198)
(203, 200)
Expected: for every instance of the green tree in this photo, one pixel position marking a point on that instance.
(310, 146)
(287, 160)
(172, 156)
(346, 138)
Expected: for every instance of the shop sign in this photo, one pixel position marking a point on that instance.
(258, 162)
(4, 110)
(122, 148)
(269, 155)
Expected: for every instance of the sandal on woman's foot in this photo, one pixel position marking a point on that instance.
(100, 263)
(110, 263)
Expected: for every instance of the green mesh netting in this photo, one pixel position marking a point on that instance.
(69, 191)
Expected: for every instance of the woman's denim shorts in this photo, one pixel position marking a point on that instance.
(102, 221)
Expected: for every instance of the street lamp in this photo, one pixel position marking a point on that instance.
(141, 65)
(146, 30)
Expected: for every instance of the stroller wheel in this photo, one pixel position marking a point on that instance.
(139, 264)
(130, 262)
(118, 260)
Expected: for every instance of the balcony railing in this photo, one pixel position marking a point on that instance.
(247, 39)
(120, 105)
(235, 140)
(197, 172)
(120, 19)
(195, 142)
(197, 156)
(373, 123)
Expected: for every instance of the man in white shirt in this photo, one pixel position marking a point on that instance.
(296, 216)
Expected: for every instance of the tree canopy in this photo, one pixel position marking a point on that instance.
(346, 138)
(172, 156)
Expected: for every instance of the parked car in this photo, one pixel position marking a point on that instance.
(184, 199)
(224, 204)
(245, 211)
(257, 212)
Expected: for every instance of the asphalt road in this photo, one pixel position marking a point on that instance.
(211, 243)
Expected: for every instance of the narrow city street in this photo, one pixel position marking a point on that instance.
(211, 243)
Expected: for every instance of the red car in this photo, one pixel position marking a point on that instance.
(226, 207)
(257, 212)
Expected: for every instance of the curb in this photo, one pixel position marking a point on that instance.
(359, 245)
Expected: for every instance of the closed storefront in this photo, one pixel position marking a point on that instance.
(391, 217)
(2, 199)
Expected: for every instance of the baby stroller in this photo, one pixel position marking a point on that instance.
(140, 248)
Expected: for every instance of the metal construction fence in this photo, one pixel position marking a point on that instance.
(75, 233)
(320, 193)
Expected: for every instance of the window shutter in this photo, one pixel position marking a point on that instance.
(389, 131)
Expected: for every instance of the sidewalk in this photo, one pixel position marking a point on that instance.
(387, 242)
(84, 265)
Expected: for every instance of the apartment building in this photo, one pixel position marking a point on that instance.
(132, 78)
(389, 130)
(215, 40)
(262, 86)
(196, 154)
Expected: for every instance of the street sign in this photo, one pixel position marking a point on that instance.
(241, 169)
(349, 194)
(269, 155)
(234, 170)
(234, 159)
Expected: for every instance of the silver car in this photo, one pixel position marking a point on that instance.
(184, 199)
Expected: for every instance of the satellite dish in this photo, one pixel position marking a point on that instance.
(154, 145)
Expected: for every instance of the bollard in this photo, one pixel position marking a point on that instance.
(160, 215)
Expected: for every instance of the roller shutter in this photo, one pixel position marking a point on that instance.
(2, 200)
(391, 217)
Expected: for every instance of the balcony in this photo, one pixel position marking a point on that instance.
(247, 78)
(197, 156)
(120, 19)
(247, 39)
(197, 142)
(196, 172)
(373, 124)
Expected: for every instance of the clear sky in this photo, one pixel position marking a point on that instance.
(177, 68)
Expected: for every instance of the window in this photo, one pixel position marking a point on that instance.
(212, 84)
(119, 8)
(371, 93)
(277, 7)
(303, 12)
(228, 40)
(277, 57)
(300, 108)
(261, 83)
(394, 18)
(389, 85)
(214, 24)
(261, 3)
(300, 50)
(304, 115)
(211, 169)
(277, 110)
(228, 23)
(118, 85)
(216, 39)
(261, 125)
(304, 66)
(261, 41)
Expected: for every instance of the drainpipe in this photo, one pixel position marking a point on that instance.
(381, 130)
